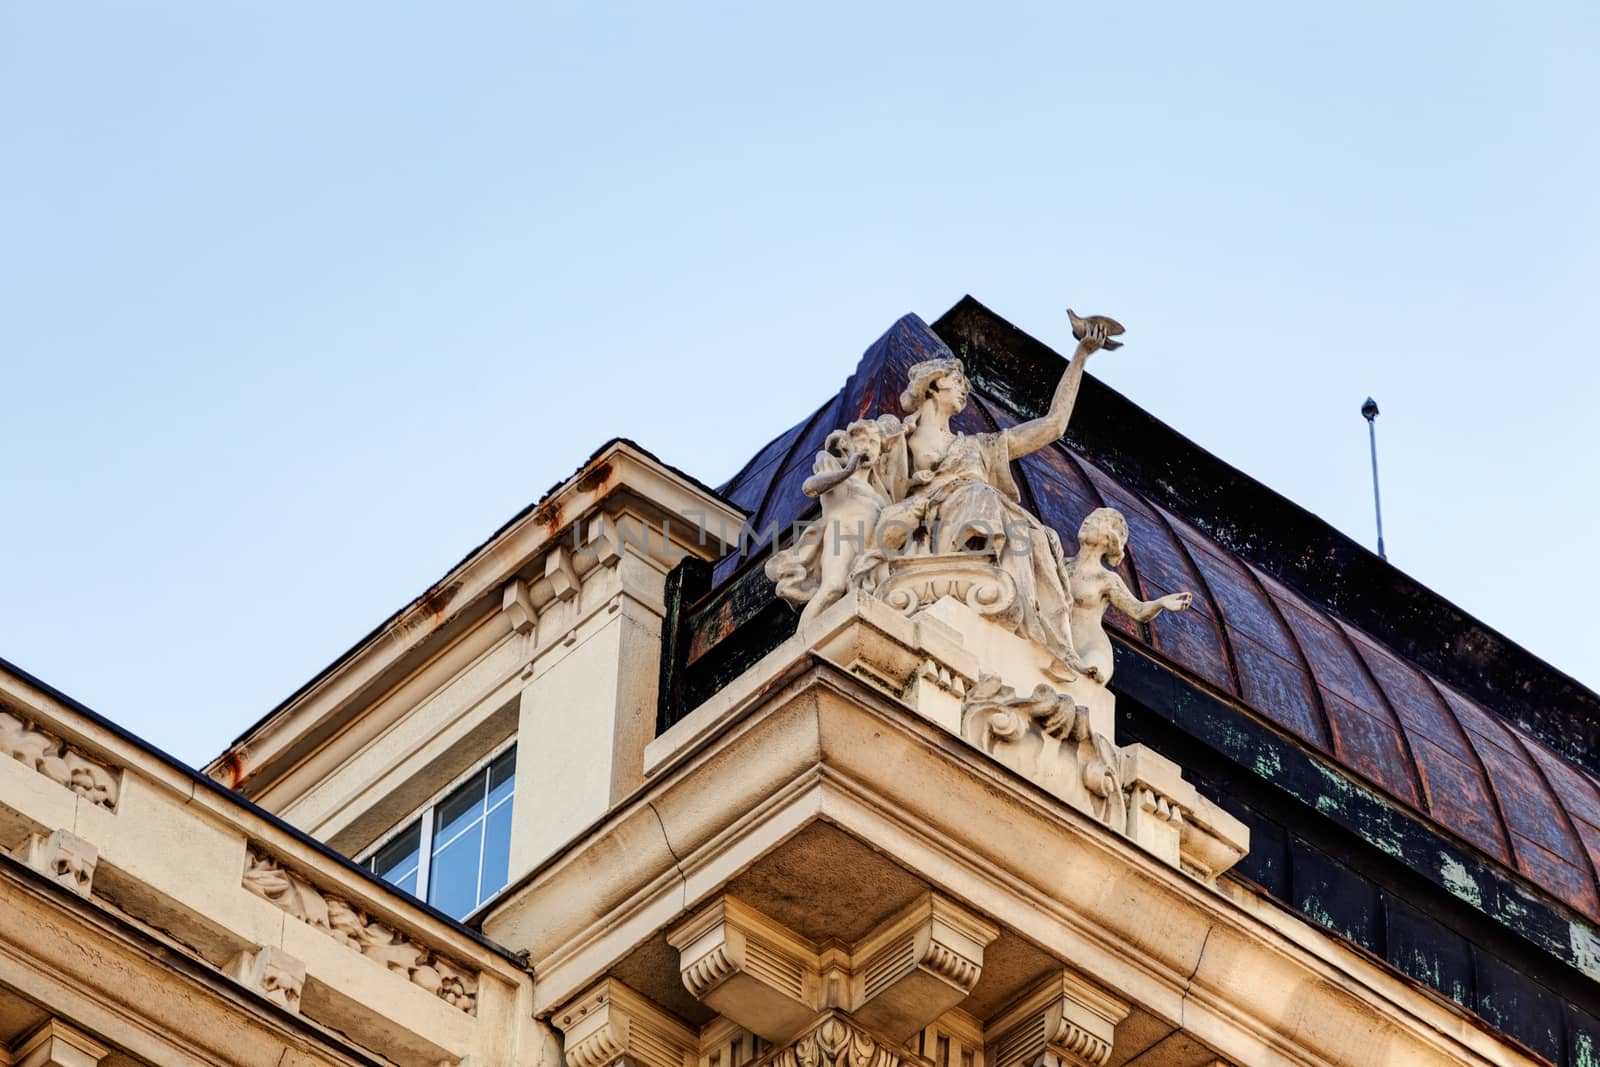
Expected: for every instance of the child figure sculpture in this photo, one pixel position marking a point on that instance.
(841, 550)
(1101, 540)
(850, 506)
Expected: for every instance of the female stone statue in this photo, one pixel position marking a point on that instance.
(948, 494)
(956, 491)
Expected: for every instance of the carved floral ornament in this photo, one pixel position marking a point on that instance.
(62, 763)
(837, 1041)
(336, 917)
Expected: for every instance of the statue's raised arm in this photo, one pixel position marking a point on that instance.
(1093, 333)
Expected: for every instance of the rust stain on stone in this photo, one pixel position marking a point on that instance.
(435, 600)
(231, 769)
(594, 477)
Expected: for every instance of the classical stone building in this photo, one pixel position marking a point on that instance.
(628, 787)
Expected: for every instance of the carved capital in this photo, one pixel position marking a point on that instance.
(610, 1023)
(837, 1040)
(917, 965)
(1063, 1022)
(749, 968)
(55, 1044)
(62, 856)
(273, 973)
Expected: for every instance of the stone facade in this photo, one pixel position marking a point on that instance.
(908, 833)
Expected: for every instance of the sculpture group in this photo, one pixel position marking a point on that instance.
(913, 511)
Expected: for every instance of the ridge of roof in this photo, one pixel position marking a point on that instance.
(1284, 539)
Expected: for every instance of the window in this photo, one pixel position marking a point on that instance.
(460, 847)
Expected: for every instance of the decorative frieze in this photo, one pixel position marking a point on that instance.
(611, 1024)
(1063, 1022)
(917, 966)
(62, 763)
(62, 856)
(339, 919)
(749, 968)
(273, 973)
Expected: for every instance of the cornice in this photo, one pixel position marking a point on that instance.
(620, 473)
(824, 745)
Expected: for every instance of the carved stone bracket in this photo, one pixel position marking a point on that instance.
(749, 968)
(837, 1040)
(55, 1044)
(610, 1024)
(336, 917)
(273, 973)
(897, 980)
(1063, 1022)
(62, 763)
(1211, 841)
(62, 856)
(917, 966)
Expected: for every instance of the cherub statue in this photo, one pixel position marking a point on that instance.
(1102, 538)
(851, 500)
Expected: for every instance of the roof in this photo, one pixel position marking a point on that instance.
(1291, 619)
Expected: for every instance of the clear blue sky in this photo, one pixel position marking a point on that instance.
(299, 302)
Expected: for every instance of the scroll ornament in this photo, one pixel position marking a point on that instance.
(1049, 739)
(335, 916)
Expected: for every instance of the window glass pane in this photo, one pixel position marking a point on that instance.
(502, 777)
(457, 810)
(496, 852)
(453, 880)
(398, 859)
(408, 884)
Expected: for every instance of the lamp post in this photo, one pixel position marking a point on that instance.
(1369, 411)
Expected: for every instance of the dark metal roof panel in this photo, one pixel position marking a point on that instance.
(1332, 686)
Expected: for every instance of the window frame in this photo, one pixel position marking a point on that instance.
(424, 814)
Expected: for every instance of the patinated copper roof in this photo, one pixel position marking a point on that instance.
(1487, 770)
